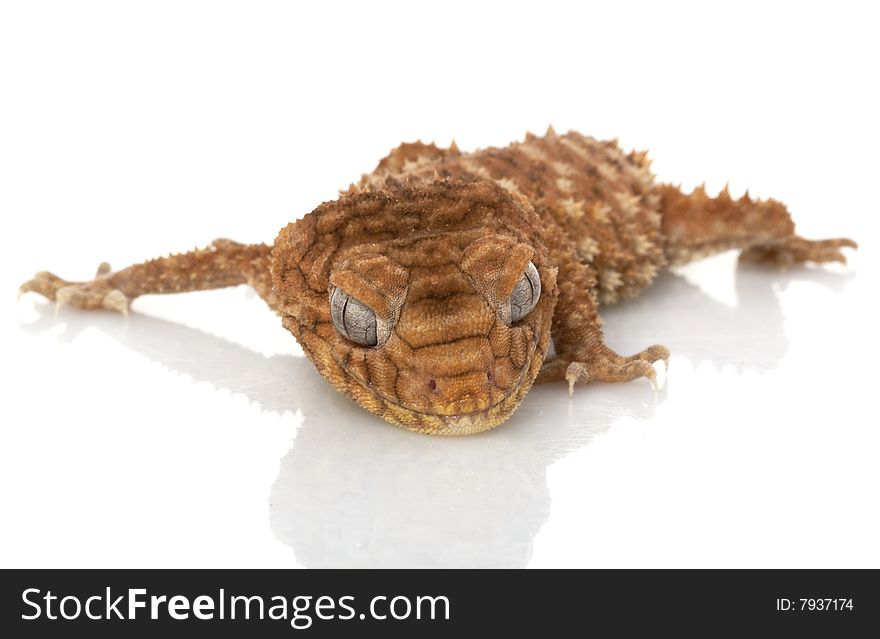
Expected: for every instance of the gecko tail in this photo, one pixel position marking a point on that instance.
(697, 225)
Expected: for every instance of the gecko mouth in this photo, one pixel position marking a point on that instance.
(475, 414)
(478, 421)
(464, 423)
(472, 421)
(449, 415)
(433, 423)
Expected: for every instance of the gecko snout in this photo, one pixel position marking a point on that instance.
(466, 389)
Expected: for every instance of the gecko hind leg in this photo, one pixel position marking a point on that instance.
(696, 225)
(797, 250)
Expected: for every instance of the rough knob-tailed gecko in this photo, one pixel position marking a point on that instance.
(429, 292)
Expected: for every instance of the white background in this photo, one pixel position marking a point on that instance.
(195, 434)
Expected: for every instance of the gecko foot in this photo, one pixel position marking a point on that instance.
(613, 368)
(96, 294)
(797, 250)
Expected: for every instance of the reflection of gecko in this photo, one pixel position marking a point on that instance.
(428, 293)
(398, 516)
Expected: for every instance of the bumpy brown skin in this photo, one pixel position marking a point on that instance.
(434, 241)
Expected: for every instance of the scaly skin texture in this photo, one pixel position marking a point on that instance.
(434, 242)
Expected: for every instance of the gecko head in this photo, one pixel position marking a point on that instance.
(429, 304)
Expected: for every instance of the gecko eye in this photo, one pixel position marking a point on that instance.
(525, 294)
(353, 318)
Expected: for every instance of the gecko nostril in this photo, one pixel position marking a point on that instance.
(432, 384)
(489, 375)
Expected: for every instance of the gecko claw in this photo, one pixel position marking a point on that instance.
(652, 379)
(665, 361)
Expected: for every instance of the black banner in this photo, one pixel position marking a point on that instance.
(100, 603)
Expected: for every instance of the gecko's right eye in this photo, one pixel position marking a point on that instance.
(525, 294)
(353, 319)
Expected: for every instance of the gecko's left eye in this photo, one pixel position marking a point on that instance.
(525, 294)
(353, 318)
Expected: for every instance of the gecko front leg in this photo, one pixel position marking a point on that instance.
(223, 263)
(581, 352)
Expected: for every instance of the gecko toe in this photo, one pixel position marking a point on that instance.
(70, 295)
(640, 368)
(44, 283)
(576, 372)
(117, 301)
(91, 296)
(652, 354)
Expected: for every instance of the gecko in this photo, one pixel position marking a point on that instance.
(429, 291)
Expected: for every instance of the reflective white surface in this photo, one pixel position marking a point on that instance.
(194, 433)
(144, 441)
